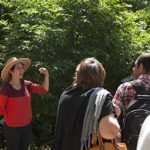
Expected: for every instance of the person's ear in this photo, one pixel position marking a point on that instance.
(141, 68)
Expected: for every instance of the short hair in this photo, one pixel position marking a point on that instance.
(144, 59)
(133, 64)
(89, 74)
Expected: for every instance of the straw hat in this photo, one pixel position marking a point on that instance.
(10, 63)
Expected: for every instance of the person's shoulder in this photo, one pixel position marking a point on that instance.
(127, 79)
(109, 96)
(26, 82)
(126, 85)
(5, 85)
(67, 90)
(106, 92)
(4, 88)
(71, 92)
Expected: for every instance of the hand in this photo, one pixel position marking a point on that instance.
(118, 137)
(117, 109)
(43, 71)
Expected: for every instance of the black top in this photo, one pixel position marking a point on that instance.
(127, 79)
(71, 112)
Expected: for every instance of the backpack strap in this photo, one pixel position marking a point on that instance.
(139, 89)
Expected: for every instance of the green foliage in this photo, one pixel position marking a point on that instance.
(137, 4)
(59, 34)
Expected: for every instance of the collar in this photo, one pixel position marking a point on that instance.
(145, 77)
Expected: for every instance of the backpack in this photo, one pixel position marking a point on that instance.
(137, 111)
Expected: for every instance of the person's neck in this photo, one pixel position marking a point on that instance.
(15, 81)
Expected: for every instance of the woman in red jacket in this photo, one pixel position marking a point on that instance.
(15, 102)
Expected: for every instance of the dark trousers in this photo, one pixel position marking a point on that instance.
(17, 138)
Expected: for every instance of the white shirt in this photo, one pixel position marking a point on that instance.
(144, 137)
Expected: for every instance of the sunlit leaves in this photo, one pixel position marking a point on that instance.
(58, 34)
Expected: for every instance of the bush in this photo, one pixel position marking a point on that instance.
(58, 35)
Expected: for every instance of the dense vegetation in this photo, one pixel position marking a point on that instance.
(58, 34)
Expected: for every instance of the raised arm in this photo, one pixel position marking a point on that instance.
(45, 84)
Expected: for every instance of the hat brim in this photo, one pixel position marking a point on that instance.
(5, 72)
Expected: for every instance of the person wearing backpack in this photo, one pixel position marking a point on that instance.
(133, 99)
(127, 79)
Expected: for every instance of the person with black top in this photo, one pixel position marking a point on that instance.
(132, 76)
(73, 103)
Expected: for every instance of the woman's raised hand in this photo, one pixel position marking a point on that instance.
(44, 71)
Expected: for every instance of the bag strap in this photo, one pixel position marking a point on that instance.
(100, 142)
(94, 139)
(139, 89)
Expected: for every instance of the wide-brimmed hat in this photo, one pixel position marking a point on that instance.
(10, 63)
